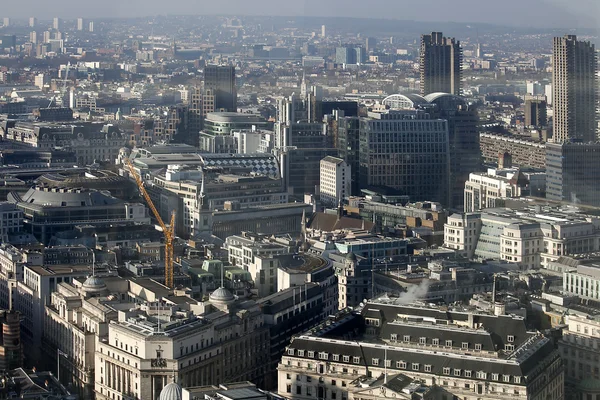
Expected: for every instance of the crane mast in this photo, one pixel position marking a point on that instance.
(168, 231)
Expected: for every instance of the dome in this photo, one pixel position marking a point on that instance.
(221, 295)
(93, 284)
(171, 392)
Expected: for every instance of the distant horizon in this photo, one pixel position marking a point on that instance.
(374, 18)
(545, 14)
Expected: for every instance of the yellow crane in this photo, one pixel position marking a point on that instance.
(168, 231)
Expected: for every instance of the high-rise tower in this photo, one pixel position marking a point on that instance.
(440, 64)
(221, 80)
(573, 89)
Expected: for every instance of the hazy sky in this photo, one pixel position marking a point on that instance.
(550, 13)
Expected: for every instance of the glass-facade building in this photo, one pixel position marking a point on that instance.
(407, 151)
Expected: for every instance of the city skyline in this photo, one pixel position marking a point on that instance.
(535, 13)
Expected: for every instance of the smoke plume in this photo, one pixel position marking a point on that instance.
(414, 292)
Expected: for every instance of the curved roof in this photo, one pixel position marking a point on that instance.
(221, 295)
(403, 101)
(171, 392)
(62, 197)
(93, 285)
(439, 97)
(589, 385)
(233, 117)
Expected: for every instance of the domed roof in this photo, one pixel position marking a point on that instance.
(171, 392)
(93, 284)
(221, 295)
(589, 385)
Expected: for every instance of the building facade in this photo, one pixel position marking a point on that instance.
(440, 64)
(334, 184)
(574, 89)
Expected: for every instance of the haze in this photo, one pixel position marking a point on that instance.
(539, 13)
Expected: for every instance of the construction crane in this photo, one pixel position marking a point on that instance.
(168, 231)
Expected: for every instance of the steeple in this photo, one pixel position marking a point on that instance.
(304, 86)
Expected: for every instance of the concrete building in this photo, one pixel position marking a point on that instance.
(11, 350)
(536, 113)
(573, 172)
(440, 64)
(334, 183)
(221, 80)
(525, 152)
(483, 190)
(423, 170)
(532, 236)
(79, 24)
(49, 210)
(467, 354)
(574, 90)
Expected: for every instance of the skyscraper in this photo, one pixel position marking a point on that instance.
(440, 64)
(32, 22)
(91, 26)
(56, 23)
(221, 80)
(6, 22)
(573, 89)
(79, 24)
(323, 31)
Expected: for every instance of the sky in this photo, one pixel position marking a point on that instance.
(538, 13)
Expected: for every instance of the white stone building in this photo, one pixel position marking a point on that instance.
(335, 179)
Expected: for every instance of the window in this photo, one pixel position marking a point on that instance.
(477, 346)
(468, 374)
(336, 357)
(494, 377)
(401, 364)
(311, 354)
(481, 375)
(427, 368)
(509, 347)
(375, 361)
(298, 389)
(448, 343)
(406, 338)
(510, 338)
(388, 363)
(288, 376)
(517, 379)
(309, 391)
(300, 353)
(333, 382)
(506, 378)
(456, 372)
(288, 388)
(356, 360)
(346, 358)
(394, 337)
(290, 352)
(323, 355)
(435, 342)
(422, 340)
(465, 345)
(446, 370)
(415, 366)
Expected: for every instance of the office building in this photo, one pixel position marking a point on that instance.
(56, 23)
(347, 143)
(32, 22)
(536, 112)
(483, 190)
(6, 22)
(573, 173)
(440, 64)
(221, 80)
(406, 151)
(470, 355)
(529, 236)
(33, 39)
(334, 183)
(463, 138)
(350, 55)
(574, 89)
(370, 44)
(91, 26)
(49, 210)
(323, 31)
(79, 24)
